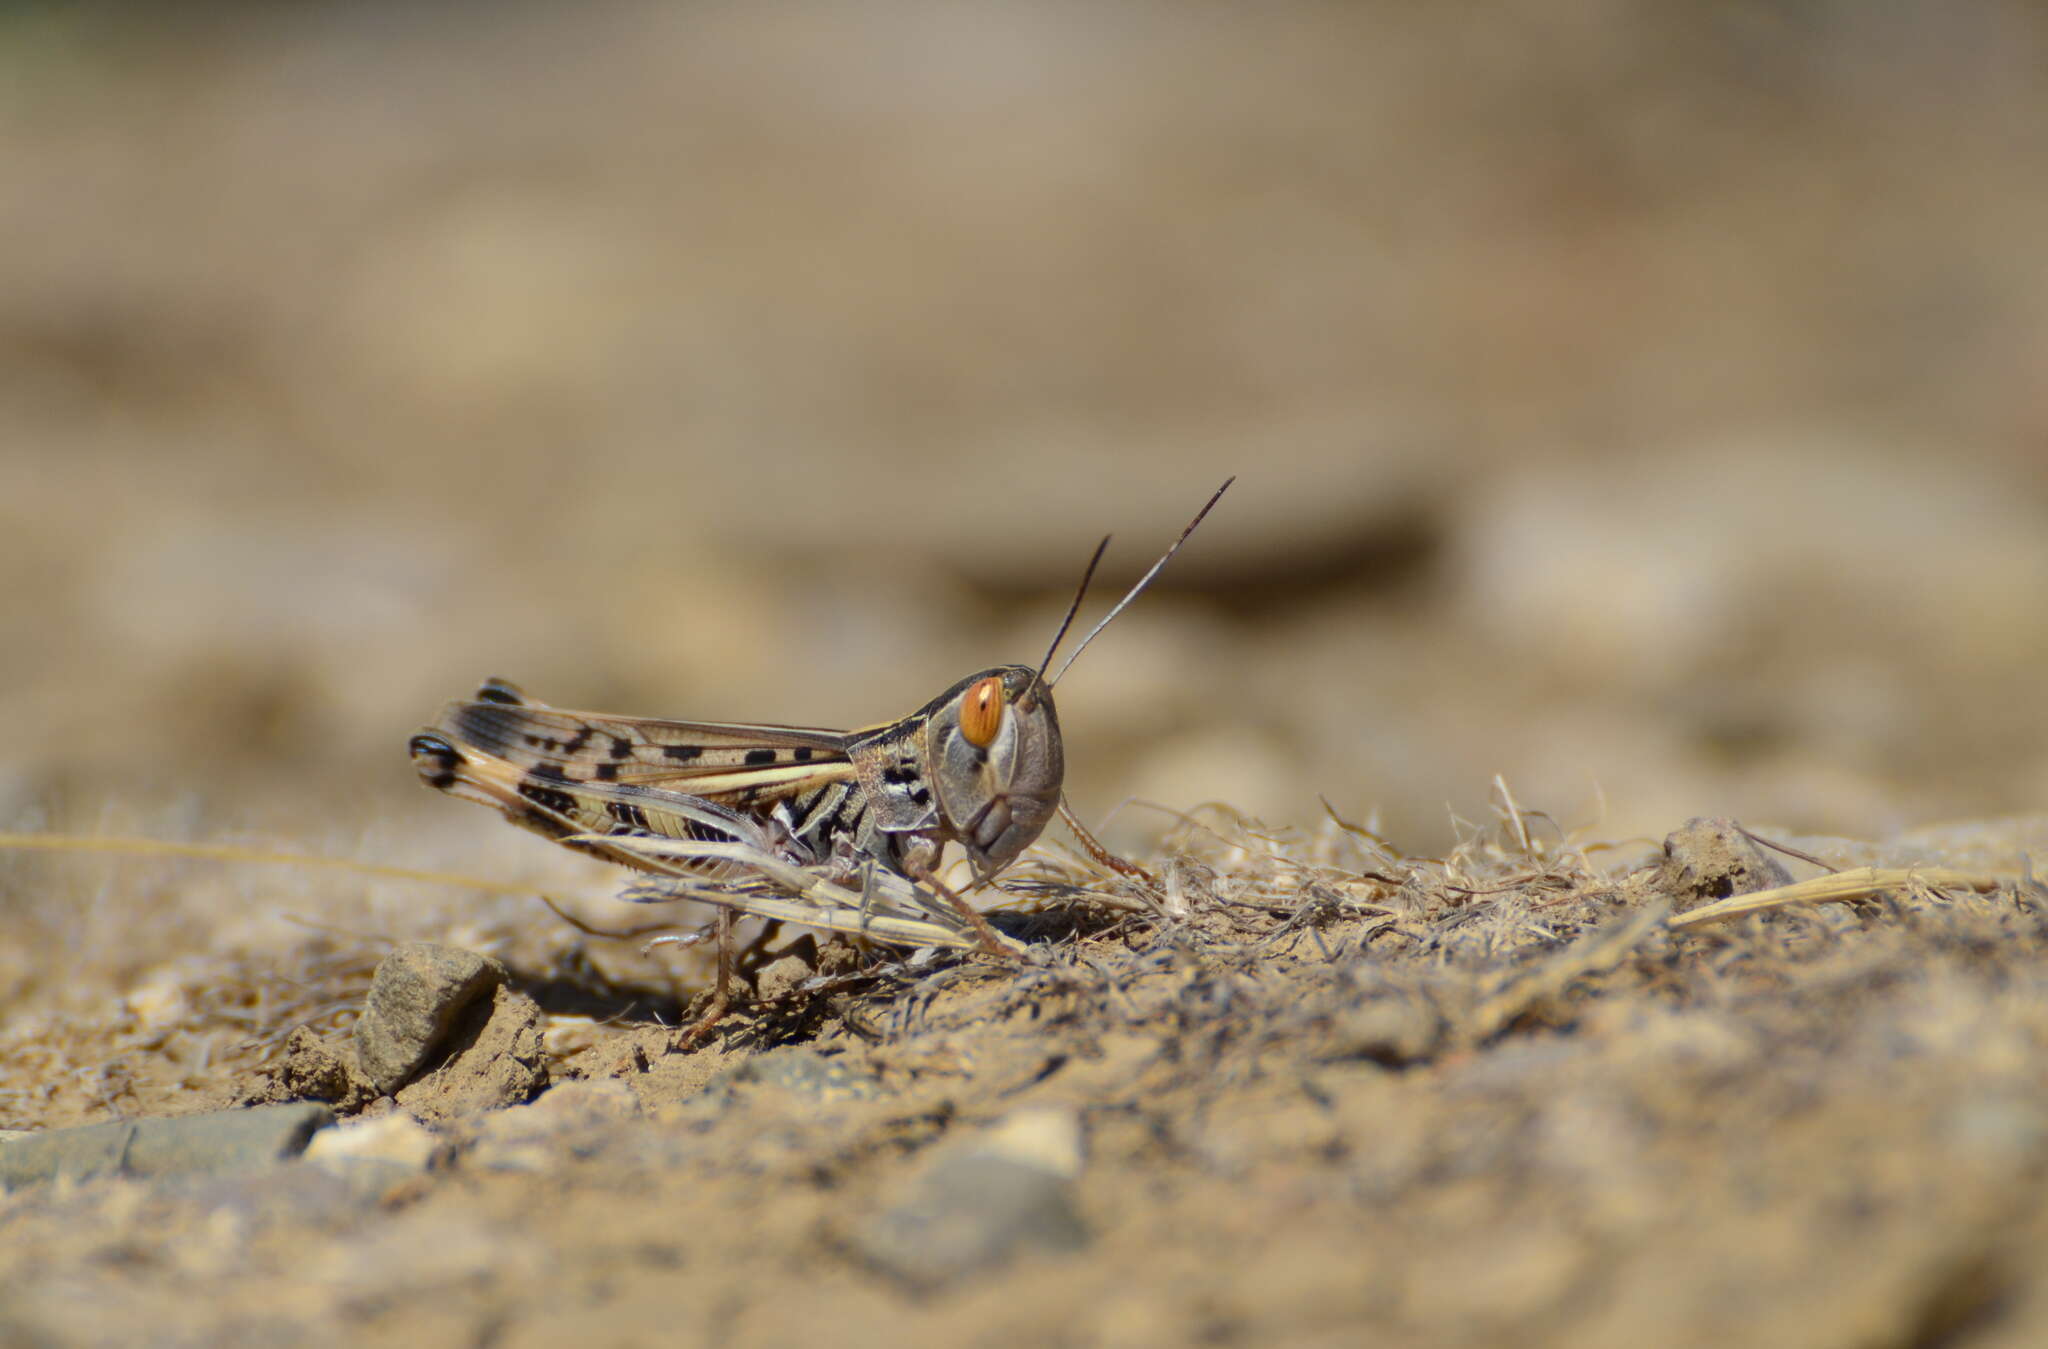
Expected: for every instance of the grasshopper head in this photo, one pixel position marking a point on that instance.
(992, 741)
(994, 744)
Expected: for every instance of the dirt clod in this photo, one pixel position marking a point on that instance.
(495, 1059)
(309, 1068)
(781, 976)
(1712, 859)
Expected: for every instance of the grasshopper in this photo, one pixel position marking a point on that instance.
(841, 830)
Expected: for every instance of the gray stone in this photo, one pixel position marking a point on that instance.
(215, 1143)
(419, 992)
(978, 1208)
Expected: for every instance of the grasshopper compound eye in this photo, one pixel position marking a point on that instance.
(981, 712)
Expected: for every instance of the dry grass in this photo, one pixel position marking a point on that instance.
(1513, 927)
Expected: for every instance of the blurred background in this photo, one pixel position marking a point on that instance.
(1645, 402)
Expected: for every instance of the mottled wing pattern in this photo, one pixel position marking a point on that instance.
(580, 774)
(714, 760)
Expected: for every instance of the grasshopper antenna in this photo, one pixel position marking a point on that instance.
(1074, 608)
(1143, 581)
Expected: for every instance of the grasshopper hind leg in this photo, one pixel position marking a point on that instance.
(721, 991)
(729, 958)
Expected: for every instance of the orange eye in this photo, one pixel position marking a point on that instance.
(981, 712)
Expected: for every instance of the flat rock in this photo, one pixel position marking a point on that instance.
(215, 1143)
(419, 992)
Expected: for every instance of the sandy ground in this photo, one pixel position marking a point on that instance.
(1637, 415)
(1318, 1094)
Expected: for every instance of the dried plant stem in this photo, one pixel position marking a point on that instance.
(1861, 883)
(225, 852)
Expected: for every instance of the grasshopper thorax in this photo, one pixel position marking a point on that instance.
(992, 747)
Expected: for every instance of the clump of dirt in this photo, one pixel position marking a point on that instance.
(496, 1060)
(1714, 859)
(309, 1068)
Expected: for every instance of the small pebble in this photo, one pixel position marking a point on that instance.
(977, 1208)
(395, 1140)
(416, 996)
